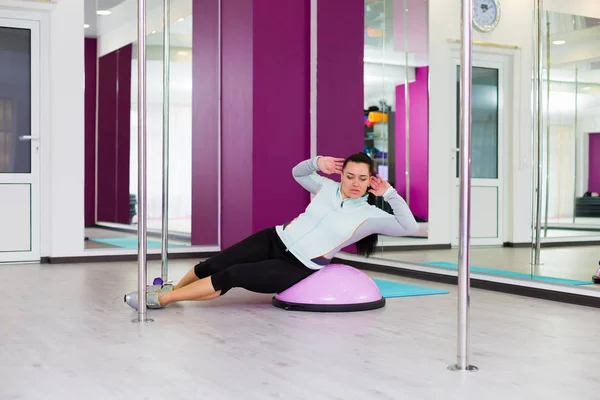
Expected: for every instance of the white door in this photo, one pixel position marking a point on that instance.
(487, 150)
(19, 140)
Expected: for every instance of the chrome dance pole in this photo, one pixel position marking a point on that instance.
(547, 205)
(142, 264)
(164, 272)
(465, 189)
(575, 142)
(538, 84)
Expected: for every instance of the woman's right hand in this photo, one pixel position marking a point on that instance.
(330, 165)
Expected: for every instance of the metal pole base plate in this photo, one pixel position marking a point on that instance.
(138, 319)
(470, 368)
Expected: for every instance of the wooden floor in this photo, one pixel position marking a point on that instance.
(66, 334)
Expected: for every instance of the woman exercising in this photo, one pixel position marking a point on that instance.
(274, 259)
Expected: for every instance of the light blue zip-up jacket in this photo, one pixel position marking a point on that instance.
(331, 223)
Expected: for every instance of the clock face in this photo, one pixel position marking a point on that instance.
(486, 14)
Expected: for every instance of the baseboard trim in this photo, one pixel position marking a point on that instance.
(517, 244)
(413, 247)
(542, 294)
(567, 243)
(563, 243)
(123, 258)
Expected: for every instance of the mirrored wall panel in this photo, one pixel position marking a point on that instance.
(396, 110)
(570, 225)
(372, 55)
(111, 200)
(571, 104)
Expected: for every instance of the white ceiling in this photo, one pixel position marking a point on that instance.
(90, 16)
(124, 11)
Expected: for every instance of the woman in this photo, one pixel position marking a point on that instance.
(274, 259)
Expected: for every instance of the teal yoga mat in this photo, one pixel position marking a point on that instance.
(390, 289)
(510, 274)
(130, 242)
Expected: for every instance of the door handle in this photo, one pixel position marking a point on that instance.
(27, 137)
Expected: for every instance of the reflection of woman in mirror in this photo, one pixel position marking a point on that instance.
(274, 259)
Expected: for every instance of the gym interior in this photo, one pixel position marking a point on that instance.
(248, 89)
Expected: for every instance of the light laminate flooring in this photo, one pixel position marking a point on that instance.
(66, 334)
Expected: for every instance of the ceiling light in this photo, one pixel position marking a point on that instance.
(153, 32)
(103, 12)
(180, 19)
(182, 53)
(85, 26)
(587, 88)
(559, 42)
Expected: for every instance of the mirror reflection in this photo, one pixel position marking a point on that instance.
(571, 202)
(396, 106)
(111, 58)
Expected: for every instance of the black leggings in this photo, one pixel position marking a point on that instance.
(259, 263)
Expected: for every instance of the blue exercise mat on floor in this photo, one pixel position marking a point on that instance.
(396, 289)
(510, 274)
(130, 242)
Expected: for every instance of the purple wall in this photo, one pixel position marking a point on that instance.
(594, 163)
(205, 116)
(419, 117)
(265, 110)
(114, 110)
(340, 75)
(281, 102)
(90, 51)
(340, 87)
(237, 169)
(265, 98)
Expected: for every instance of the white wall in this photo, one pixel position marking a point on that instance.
(516, 29)
(63, 164)
(62, 123)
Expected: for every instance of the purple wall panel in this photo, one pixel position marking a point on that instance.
(281, 109)
(107, 136)
(205, 117)
(90, 51)
(124, 134)
(594, 163)
(114, 113)
(419, 145)
(237, 168)
(340, 87)
(266, 120)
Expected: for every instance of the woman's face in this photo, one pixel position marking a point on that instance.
(356, 178)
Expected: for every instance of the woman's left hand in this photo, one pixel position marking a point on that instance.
(378, 185)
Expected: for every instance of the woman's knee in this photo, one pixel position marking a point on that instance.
(202, 269)
(221, 281)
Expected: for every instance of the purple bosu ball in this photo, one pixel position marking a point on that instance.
(158, 281)
(335, 288)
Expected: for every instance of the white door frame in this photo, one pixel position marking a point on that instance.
(503, 63)
(32, 179)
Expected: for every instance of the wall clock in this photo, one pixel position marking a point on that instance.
(486, 14)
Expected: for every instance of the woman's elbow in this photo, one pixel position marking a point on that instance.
(413, 227)
(407, 228)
